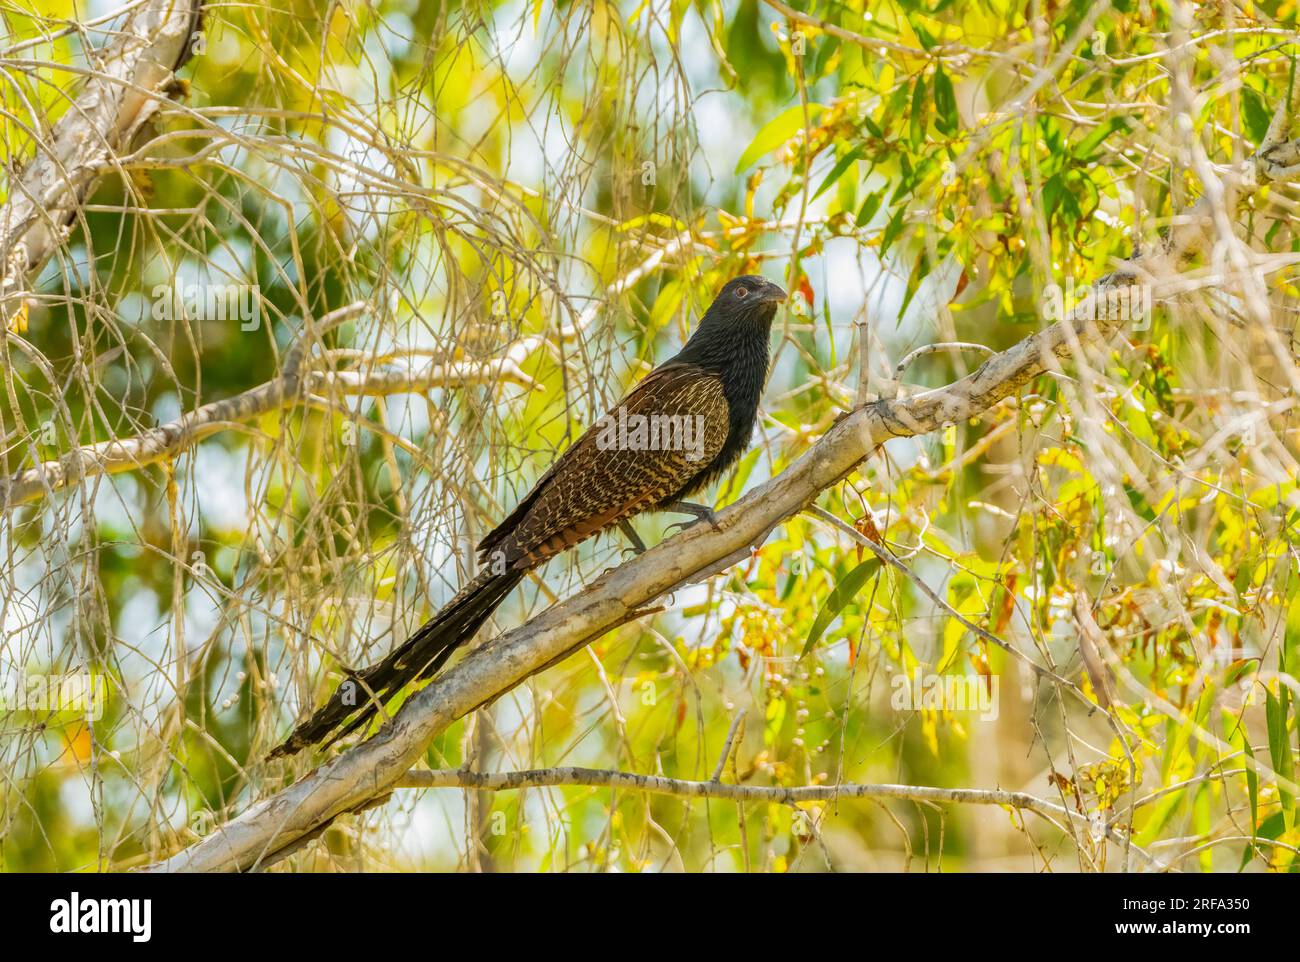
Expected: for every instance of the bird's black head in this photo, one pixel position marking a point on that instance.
(745, 305)
(736, 326)
(748, 298)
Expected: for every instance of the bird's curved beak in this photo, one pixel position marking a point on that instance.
(772, 293)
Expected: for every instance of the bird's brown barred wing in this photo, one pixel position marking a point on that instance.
(596, 484)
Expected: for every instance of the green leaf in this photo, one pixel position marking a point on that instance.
(1279, 749)
(892, 230)
(1165, 810)
(840, 595)
(1059, 201)
(1139, 503)
(666, 304)
(1201, 819)
(1090, 145)
(923, 35)
(1243, 580)
(838, 171)
(1051, 194)
(1238, 670)
(945, 104)
(869, 208)
(1252, 783)
(896, 110)
(775, 133)
(826, 47)
(774, 720)
(1273, 827)
(920, 271)
(919, 114)
(1255, 116)
(1291, 639)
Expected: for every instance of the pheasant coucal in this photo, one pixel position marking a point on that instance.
(704, 400)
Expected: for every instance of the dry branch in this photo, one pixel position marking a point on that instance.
(292, 387)
(121, 92)
(778, 794)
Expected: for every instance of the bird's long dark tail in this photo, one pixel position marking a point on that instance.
(358, 698)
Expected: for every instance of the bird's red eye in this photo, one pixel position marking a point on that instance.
(742, 291)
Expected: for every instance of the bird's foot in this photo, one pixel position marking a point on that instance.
(698, 511)
(638, 546)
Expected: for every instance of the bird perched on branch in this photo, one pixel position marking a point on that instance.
(679, 428)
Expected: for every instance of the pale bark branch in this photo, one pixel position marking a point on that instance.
(291, 388)
(121, 92)
(714, 789)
